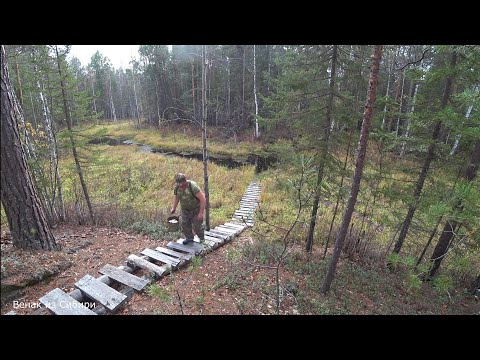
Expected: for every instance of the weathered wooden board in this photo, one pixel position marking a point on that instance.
(98, 291)
(217, 240)
(217, 234)
(186, 248)
(123, 277)
(147, 265)
(177, 254)
(161, 257)
(240, 227)
(61, 303)
(226, 229)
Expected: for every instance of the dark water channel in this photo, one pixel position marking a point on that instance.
(261, 162)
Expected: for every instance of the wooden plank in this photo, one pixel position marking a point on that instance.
(235, 219)
(98, 291)
(227, 230)
(181, 247)
(245, 215)
(60, 303)
(187, 248)
(238, 230)
(211, 245)
(161, 257)
(147, 265)
(194, 245)
(217, 234)
(243, 212)
(123, 277)
(228, 236)
(217, 240)
(179, 255)
(243, 218)
(225, 227)
(234, 225)
(247, 222)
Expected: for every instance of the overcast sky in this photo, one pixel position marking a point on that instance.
(119, 55)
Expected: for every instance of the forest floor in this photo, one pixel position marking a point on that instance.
(221, 283)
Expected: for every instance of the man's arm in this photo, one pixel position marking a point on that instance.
(201, 196)
(175, 203)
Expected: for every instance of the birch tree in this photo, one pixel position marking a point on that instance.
(257, 133)
(204, 137)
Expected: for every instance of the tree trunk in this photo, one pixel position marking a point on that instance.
(323, 153)
(411, 112)
(452, 225)
(228, 89)
(26, 218)
(458, 137)
(204, 139)
(193, 89)
(17, 72)
(93, 96)
(388, 88)
(257, 133)
(74, 148)
(137, 112)
(427, 245)
(55, 179)
(426, 165)
(360, 158)
(339, 194)
(243, 84)
(112, 105)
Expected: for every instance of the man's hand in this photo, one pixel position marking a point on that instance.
(200, 217)
(172, 210)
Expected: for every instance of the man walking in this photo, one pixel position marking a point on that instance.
(192, 201)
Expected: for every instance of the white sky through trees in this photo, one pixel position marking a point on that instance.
(119, 55)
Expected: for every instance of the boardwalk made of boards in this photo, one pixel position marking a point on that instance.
(112, 290)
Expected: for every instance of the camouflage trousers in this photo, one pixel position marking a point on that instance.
(189, 223)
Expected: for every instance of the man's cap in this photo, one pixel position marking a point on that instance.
(179, 178)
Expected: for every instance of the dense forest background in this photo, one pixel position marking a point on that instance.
(418, 205)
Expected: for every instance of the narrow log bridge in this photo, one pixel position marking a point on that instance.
(112, 290)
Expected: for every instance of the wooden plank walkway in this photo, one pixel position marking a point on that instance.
(173, 256)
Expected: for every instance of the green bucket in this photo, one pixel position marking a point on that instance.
(173, 223)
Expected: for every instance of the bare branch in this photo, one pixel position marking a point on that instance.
(414, 62)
